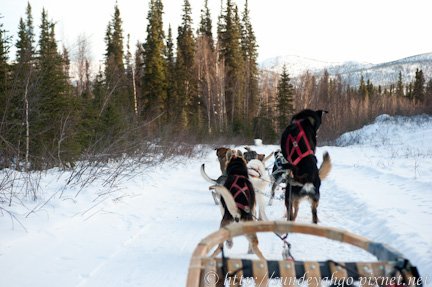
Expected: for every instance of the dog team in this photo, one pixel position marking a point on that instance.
(239, 191)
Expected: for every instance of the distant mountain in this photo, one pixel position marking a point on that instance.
(382, 74)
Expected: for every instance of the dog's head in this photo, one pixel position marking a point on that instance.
(221, 152)
(256, 168)
(236, 164)
(251, 154)
(277, 154)
(314, 117)
(221, 155)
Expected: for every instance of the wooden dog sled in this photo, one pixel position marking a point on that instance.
(391, 269)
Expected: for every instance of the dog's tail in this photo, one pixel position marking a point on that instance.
(206, 177)
(229, 200)
(325, 167)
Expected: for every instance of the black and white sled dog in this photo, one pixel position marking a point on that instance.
(280, 168)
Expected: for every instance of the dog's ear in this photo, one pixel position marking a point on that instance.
(229, 155)
(311, 120)
(239, 153)
(232, 153)
(319, 114)
(247, 148)
(221, 151)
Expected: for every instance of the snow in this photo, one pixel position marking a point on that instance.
(351, 72)
(143, 231)
(296, 65)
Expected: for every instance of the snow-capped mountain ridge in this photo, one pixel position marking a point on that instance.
(380, 74)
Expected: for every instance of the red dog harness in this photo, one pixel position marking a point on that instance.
(295, 154)
(241, 190)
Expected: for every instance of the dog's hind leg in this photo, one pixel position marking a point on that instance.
(295, 207)
(272, 195)
(289, 207)
(261, 206)
(224, 223)
(315, 211)
(220, 247)
(253, 245)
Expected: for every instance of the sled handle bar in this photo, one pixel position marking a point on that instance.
(200, 258)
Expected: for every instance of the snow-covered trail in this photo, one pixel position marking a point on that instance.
(144, 234)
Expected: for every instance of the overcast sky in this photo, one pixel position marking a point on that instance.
(331, 30)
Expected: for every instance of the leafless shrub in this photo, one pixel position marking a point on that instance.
(13, 217)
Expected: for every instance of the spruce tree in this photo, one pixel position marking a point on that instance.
(250, 54)
(400, 86)
(418, 92)
(409, 91)
(24, 90)
(186, 85)
(285, 100)
(153, 81)
(370, 88)
(229, 30)
(53, 114)
(240, 121)
(205, 27)
(428, 96)
(26, 38)
(4, 70)
(116, 105)
(171, 100)
(5, 98)
(114, 40)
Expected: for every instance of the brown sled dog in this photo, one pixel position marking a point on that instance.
(222, 158)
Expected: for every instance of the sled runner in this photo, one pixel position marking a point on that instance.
(391, 269)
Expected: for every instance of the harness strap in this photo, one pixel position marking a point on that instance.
(240, 190)
(295, 145)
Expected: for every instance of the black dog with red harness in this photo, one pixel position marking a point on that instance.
(238, 199)
(241, 189)
(298, 144)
